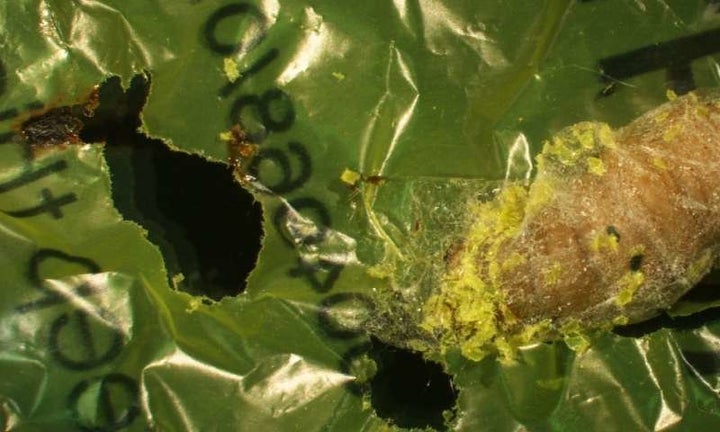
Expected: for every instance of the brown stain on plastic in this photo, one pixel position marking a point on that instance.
(56, 126)
(241, 151)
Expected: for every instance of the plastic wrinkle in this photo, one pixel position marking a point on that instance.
(608, 395)
(19, 407)
(443, 26)
(10, 419)
(405, 116)
(319, 42)
(402, 9)
(709, 382)
(673, 402)
(398, 101)
(278, 385)
(44, 65)
(519, 160)
(86, 30)
(110, 307)
(318, 244)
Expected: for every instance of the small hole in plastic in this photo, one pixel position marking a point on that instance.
(408, 390)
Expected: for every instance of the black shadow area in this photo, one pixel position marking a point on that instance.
(207, 227)
(408, 390)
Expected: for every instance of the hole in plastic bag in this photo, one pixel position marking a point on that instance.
(408, 390)
(207, 227)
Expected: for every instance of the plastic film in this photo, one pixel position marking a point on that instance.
(372, 134)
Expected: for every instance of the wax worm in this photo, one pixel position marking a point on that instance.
(616, 226)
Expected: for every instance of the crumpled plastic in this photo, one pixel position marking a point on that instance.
(428, 101)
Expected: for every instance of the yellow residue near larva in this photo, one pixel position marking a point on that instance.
(672, 132)
(541, 193)
(629, 284)
(466, 308)
(603, 241)
(637, 250)
(659, 163)
(701, 110)
(585, 136)
(661, 117)
(513, 260)
(552, 274)
(575, 337)
(576, 146)
(596, 166)
(620, 320)
(606, 136)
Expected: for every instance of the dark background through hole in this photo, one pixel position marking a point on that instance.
(408, 390)
(207, 227)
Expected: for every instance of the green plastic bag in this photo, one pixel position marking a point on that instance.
(368, 124)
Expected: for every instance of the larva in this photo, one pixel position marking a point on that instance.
(616, 226)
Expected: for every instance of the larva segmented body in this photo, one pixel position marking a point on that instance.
(616, 227)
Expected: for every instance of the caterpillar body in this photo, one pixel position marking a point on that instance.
(616, 226)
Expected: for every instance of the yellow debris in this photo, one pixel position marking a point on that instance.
(596, 166)
(552, 274)
(350, 177)
(230, 67)
(659, 163)
(630, 282)
(603, 241)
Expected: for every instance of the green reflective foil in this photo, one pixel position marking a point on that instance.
(431, 101)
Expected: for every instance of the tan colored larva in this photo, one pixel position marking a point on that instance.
(615, 228)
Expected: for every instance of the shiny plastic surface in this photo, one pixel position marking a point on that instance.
(430, 101)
